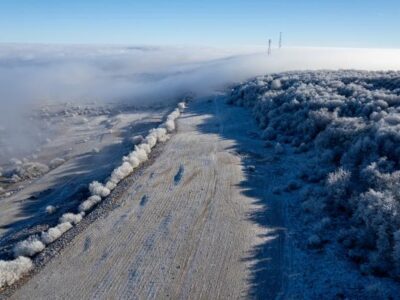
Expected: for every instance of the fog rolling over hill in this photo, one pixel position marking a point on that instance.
(94, 137)
(33, 75)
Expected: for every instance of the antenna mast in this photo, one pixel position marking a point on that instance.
(269, 46)
(280, 40)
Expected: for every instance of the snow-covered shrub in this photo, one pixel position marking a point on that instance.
(70, 218)
(11, 271)
(56, 162)
(349, 121)
(55, 233)
(170, 125)
(160, 134)
(338, 185)
(276, 84)
(181, 106)
(97, 189)
(314, 241)
(30, 170)
(141, 154)
(89, 203)
(28, 247)
(145, 147)
(133, 159)
(111, 185)
(279, 148)
(170, 122)
(50, 209)
(137, 139)
(121, 172)
(151, 141)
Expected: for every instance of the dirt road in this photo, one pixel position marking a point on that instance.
(199, 223)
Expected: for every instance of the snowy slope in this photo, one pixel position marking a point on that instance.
(343, 128)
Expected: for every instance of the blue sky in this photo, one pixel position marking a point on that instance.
(340, 23)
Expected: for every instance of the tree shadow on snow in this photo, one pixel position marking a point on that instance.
(265, 259)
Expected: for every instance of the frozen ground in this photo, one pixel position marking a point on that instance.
(212, 217)
(76, 144)
(190, 225)
(305, 207)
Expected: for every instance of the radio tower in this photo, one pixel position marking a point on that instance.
(269, 46)
(280, 40)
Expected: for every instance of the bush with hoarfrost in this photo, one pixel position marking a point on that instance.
(71, 218)
(55, 233)
(56, 162)
(338, 188)
(136, 140)
(151, 141)
(50, 209)
(11, 271)
(141, 154)
(170, 125)
(350, 122)
(89, 203)
(133, 159)
(30, 170)
(121, 172)
(97, 189)
(181, 106)
(28, 247)
(145, 147)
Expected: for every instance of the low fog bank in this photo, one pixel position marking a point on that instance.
(34, 75)
(41, 73)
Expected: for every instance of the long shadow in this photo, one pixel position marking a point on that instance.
(69, 189)
(266, 259)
